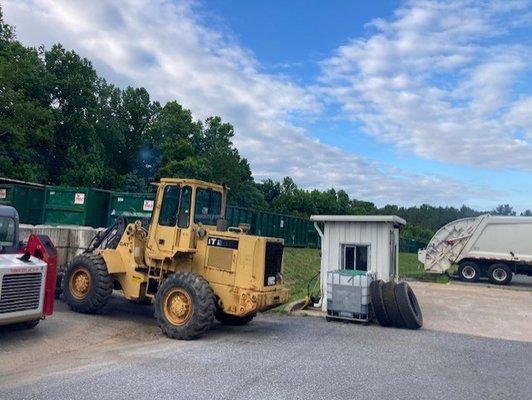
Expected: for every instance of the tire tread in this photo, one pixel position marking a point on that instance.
(390, 303)
(101, 289)
(203, 301)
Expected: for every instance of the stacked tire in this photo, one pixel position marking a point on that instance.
(395, 304)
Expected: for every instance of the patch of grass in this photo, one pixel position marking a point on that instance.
(300, 265)
(410, 267)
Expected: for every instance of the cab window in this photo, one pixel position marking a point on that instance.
(183, 219)
(208, 206)
(168, 215)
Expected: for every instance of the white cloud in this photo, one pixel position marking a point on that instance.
(165, 47)
(520, 116)
(438, 79)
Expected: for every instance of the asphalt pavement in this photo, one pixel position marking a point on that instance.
(122, 354)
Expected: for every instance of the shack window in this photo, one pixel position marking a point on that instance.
(208, 206)
(355, 257)
(168, 215)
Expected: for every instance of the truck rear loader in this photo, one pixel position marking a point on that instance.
(187, 262)
(484, 246)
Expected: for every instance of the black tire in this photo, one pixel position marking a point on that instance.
(228, 319)
(469, 271)
(20, 326)
(408, 306)
(100, 285)
(390, 304)
(201, 296)
(375, 292)
(500, 274)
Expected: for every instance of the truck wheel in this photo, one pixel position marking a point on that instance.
(184, 306)
(86, 284)
(25, 325)
(500, 274)
(375, 291)
(228, 319)
(469, 271)
(408, 306)
(390, 304)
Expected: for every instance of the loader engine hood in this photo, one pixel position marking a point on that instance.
(22, 285)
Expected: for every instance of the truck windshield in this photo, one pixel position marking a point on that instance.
(7, 231)
(208, 206)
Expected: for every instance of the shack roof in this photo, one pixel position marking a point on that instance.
(394, 219)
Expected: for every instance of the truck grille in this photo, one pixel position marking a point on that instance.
(20, 292)
(272, 262)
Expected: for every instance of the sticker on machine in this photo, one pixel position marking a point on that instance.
(79, 198)
(148, 205)
(222, 242)
(3, 193)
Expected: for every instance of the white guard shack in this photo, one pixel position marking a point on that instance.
(362, 242)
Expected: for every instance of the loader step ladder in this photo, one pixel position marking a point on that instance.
(155, 276)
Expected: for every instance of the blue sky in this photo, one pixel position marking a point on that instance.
(293, 36)
(403, 102)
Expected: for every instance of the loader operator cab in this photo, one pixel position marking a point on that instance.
(183, 209)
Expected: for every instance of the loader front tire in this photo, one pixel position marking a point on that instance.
(184, 306)
(86, 284)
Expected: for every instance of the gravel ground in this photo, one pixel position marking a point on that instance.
(122, 354)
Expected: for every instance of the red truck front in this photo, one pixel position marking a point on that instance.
(27, 283)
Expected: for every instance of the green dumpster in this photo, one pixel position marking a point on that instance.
(76, 206)
(26, 198)
(238, 215)
(133, 206)
(294, 230)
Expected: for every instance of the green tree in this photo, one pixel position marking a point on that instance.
(77, 157)
(26, 121)
(503, 209)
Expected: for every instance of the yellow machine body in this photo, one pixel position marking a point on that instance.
(244, 271)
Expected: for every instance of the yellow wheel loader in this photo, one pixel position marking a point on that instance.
(188, 262)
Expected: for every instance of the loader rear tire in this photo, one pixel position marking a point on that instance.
(228, 319)
(86, 284)
(185, 306)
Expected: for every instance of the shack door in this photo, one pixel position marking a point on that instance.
(393, 255)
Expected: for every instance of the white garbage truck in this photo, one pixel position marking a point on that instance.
(485, 246)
